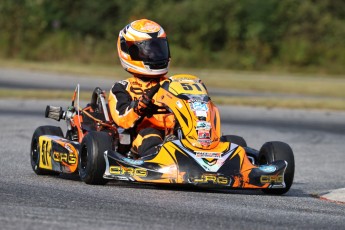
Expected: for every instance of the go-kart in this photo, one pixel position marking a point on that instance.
(193, 152)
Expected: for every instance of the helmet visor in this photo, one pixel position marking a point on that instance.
(156, 49)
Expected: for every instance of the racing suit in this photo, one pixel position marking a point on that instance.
(123, 102)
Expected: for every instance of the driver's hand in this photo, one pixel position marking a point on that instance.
(142, 106)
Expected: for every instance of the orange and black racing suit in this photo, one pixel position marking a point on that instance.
(123, 98)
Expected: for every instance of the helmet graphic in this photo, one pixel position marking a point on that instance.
(143, 48)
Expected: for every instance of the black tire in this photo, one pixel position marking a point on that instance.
(91, 157)
(273, 151)
(34, 152)
(235, 139)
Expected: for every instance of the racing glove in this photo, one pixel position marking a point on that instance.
(143, 106)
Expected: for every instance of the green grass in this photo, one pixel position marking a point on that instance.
(41, 94)
(336, 104)
(90, 70)
(323, 86)
(294, 103)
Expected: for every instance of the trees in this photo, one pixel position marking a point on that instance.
(247, 34)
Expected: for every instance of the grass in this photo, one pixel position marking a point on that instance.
(294, 103)
(90, 70)
(324, 104)
(329, 91)
(39, 94)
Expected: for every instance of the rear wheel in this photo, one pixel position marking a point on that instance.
(91, 157)
(35, 153)
(273, 151)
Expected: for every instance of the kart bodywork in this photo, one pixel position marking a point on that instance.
(227, 166)
(193, 152)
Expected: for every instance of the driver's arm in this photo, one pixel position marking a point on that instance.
(121, 105)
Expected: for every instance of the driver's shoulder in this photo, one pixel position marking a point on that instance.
(125, 82)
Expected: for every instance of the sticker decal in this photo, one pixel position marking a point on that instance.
(203, 125)
(271, 179)
(216, 155)
(132, 162)
(179, 104)
(268, 168)
(200, 113)
(198, 106)
(211, 179)
(67, 158)
(204, 137)
(123, 82)
(127, 171)
(204, 134)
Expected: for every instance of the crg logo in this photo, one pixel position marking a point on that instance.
(271, 179)
(120, 171)
(213, 179)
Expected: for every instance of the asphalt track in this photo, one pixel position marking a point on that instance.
(28, 201)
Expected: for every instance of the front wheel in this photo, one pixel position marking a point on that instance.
(91, 157)
(35, 151)
(273, 151)
(238, 140)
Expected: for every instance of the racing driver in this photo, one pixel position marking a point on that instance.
(143, 50)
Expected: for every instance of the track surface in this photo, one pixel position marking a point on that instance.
(28, 201)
